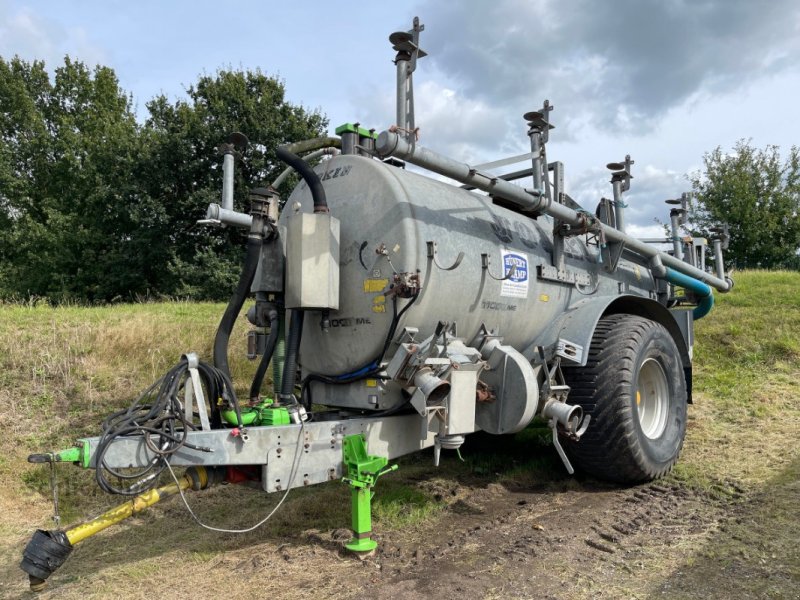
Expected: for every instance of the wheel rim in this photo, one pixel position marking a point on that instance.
(652, 398)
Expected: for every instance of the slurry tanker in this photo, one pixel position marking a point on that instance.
(406, 309)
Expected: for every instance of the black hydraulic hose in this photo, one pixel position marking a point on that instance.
(235, 304)
(272, 341)
(292, 350)
(308, 175)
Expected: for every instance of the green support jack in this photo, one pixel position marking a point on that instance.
(362, 473)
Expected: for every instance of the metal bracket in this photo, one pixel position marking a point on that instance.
(432, 249)
(193, 389)
(612, 252)
(485, 266)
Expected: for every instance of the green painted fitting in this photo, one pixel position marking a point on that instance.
(261, 414)
(351, 128)
(72, 455)
(249, 416)
(275, 416)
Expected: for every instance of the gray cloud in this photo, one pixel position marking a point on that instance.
(650, 187)
(617, 65)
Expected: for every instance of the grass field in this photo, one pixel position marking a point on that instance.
(64, 369)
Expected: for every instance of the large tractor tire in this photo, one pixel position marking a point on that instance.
(633, 387)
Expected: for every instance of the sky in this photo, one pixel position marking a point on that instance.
(662, 80)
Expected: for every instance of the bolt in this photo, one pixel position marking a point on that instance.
(279, 450)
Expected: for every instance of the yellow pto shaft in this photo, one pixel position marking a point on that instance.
(48, 550)
(80, 532)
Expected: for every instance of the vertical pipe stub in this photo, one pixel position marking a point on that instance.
(235, 144)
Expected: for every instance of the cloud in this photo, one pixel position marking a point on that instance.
(650, 187)
(619, 66)
(449, 122)
(34, 37)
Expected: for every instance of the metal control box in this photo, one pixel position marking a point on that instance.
(312, 261)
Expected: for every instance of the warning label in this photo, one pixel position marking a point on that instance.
(515, 269)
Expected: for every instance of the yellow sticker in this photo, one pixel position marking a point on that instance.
(375, 285)
(379, 299)
(379, 308)
(372, 382)
(544, 297)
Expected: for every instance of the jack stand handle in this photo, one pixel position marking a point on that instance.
(388, 469)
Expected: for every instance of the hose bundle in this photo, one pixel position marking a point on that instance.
(158, 416)
(372, 369)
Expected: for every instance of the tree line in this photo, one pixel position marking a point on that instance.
(95, 206)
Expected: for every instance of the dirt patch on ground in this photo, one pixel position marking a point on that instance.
(564, 538)
(581, 541)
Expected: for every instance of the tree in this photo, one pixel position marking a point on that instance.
(66, 148)
(182, 172)
(94, 206)
(758, 195)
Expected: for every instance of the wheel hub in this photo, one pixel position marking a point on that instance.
(652, 398)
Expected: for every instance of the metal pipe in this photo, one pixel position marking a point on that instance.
(536, 150)
(312, 144)
(227, 180)
(619, 205)
(402, 92)
(311, 156)
(700, 289)
(675, 222)
(229, 217)
(718, 263)
(390, 143)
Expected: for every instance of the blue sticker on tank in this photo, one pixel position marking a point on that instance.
(515, 268)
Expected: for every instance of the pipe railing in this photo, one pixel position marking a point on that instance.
(390, 143)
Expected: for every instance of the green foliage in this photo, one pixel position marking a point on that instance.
(94, 206)
(758, 195)
(67, 149)
(182, 172)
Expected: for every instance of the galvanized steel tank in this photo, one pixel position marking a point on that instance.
(386, 209)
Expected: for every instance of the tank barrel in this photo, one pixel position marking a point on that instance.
(390, 143)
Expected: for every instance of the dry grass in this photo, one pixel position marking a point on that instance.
(62, 370)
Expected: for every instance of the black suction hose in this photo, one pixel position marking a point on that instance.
(235, 304)
(269, 350)
(296, 326)
(292, 350)
(308, 175)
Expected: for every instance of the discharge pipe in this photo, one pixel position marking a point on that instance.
(390, 143)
